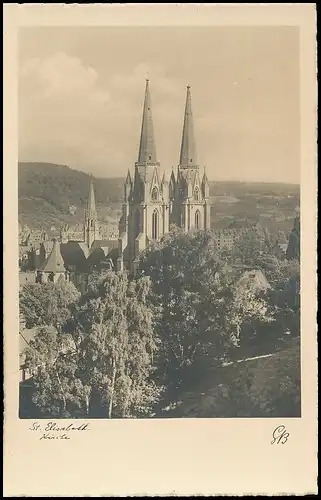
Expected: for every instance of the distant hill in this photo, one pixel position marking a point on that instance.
(50, 195)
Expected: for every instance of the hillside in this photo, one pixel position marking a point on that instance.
(47, 191)
(50, 195)
(266, 386)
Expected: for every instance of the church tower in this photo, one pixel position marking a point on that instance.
(189, 193)
(91, 225)
(146, 201)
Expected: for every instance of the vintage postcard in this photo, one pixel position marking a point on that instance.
(160, 250)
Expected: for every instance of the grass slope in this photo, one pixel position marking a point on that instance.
(266, 386)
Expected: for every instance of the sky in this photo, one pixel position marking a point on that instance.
(81, 92)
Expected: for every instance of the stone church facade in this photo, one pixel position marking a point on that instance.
(152, 200)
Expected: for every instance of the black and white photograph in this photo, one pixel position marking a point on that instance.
(159, 222)
(160, 237)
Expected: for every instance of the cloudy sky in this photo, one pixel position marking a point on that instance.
(81, 94)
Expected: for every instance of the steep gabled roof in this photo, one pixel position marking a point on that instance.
(54, 263)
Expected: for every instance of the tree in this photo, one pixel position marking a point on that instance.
(47, 303)
(285, 298)
(51, 357)
(250, 248)
(250, 317)
(191, 298)
(293, 249)
(113, 328)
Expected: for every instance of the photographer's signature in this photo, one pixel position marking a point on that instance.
(280, 435)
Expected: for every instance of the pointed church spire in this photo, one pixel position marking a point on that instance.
(188, 148)
(147, 149)
(91, 204)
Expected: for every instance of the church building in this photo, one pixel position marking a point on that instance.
(152, 201)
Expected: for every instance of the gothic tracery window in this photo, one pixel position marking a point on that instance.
(196, 194)
(197, 219)
(154, 194)
(155, 225)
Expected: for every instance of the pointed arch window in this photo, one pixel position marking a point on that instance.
(155, 225)
(196, 194)
(197, 219)
(154, 194)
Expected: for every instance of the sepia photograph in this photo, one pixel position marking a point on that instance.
(159, 222)
(160, 264)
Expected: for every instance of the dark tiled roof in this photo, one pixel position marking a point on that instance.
(101, 254)
(104, 243)
(75, 253)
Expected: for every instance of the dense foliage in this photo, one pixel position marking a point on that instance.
(100, 364)
(47, 304)
(126, 345)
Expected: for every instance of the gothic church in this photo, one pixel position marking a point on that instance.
(152, 202)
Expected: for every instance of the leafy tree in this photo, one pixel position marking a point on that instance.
(250, 318)
(191, 299)
(250, 248)
(47, 303)
(51, 357)
(113, 328)
(285, 297)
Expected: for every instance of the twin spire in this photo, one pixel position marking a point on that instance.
(147, 148)
(188, 148)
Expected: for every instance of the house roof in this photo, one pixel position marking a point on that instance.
(100, 254)
(55, 262)
(75, 253)
(104, 243)
(255, 278)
